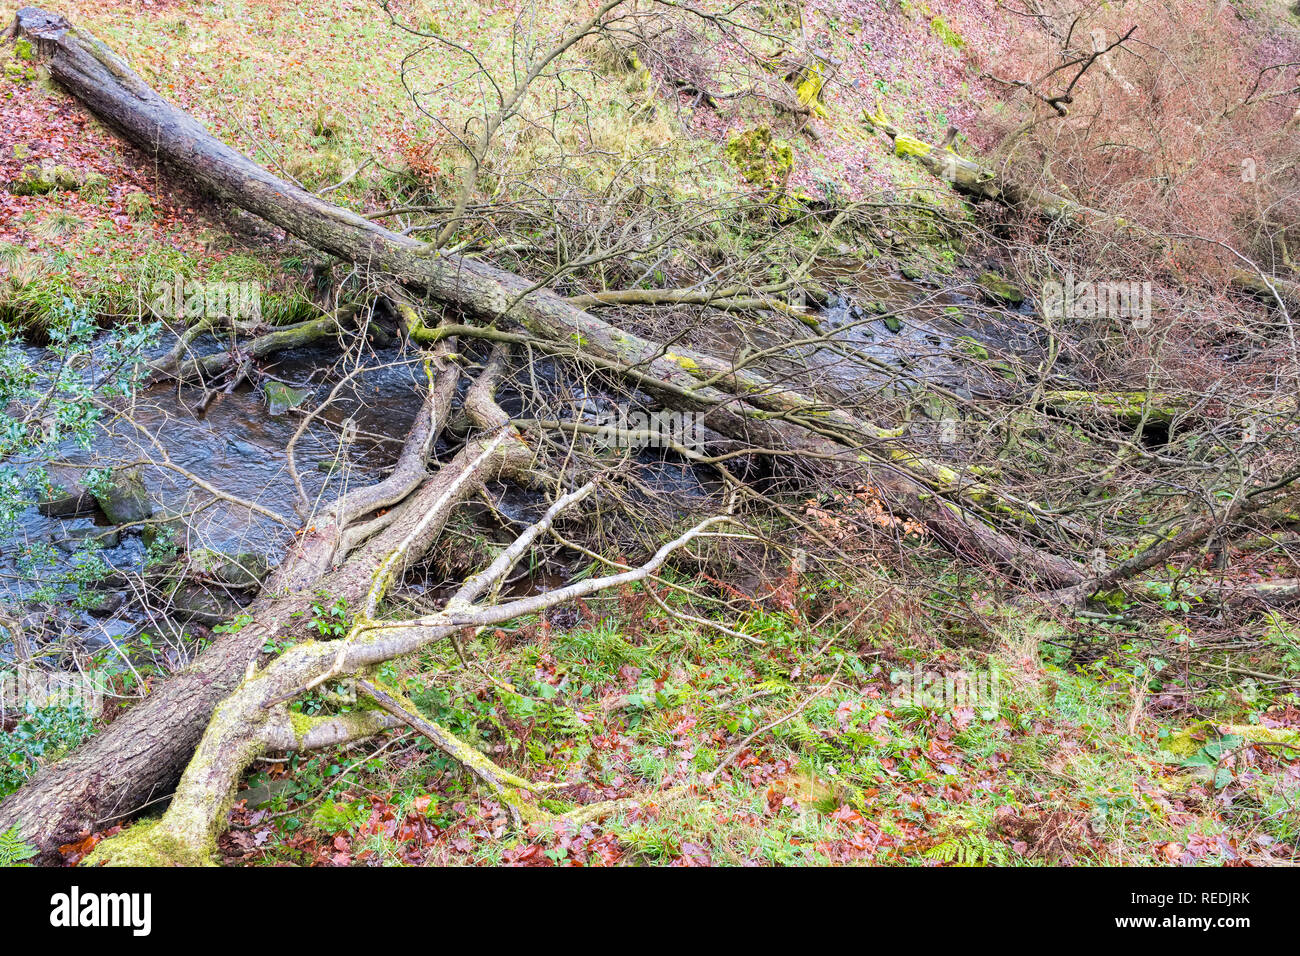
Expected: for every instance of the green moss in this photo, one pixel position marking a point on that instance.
(998, 288)
(761, 159)
(809, 89)
(950, 37)
(20, 72)
(148, 844)
(905, 145)
(40, 180)
(1126, 407)
(688, 364)
(972, 347)
(1187, 741)
(1258, 733)
(280, 397)
(302, 723)
(23, 49)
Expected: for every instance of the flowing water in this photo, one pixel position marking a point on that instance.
(238, 442)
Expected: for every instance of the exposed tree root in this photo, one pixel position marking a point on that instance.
(516, 793)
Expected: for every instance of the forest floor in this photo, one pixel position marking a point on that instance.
(804, 750)
(828, 759)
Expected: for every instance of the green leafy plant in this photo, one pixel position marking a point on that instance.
(969, 849)
(42, 734)
(330, 620)
(14, 850)
(333, 817)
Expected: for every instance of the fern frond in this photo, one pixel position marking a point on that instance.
(14, 849)
(969, 849)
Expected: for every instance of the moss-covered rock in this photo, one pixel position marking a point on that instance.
(280, 397)
(244, 570)
(44, 178)
(124, 498)
(74, 538)
(998, 289)
(65, 496)
(761, 159)
(206, 605)
(164, 536)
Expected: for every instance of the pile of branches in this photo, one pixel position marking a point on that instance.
(1048, 486)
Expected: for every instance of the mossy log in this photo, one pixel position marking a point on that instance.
(1270, 290)
(1129, 408)
(973, 179)
(734, 402)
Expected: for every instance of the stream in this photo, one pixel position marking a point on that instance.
(238, 442)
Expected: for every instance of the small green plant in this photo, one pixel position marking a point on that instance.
(235, 625)
(58, 225)
(330, 620)
(95, 187)
(333, 817)
(969, 849)
(14, 850)
(947, 34)
(139, 206)
(41, 735)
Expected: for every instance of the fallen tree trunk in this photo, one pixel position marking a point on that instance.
(973, 179)
(737, 403)
(137, 759)
(1127, 408)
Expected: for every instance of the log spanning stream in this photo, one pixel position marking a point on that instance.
(238, 443)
